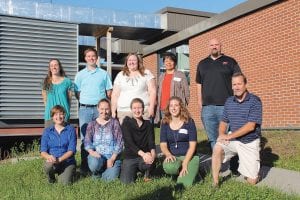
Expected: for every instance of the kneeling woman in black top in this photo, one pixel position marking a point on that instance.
(138, 135)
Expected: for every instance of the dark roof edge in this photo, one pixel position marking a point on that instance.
(216, 20)
(185, 12)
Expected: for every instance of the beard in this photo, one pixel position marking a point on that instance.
(215, 53)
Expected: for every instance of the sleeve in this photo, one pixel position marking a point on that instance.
(198, 74)
(236, 67)
(160, 80)
(186, 89)
(117, 133)
(163, 133)
(192, 131)
(118, 78)
(127, 136)
(77, 83)
(72, 140)
(71, 86)
(149, 76)
(225, 112)
(151, 136)
(88, 139)
(108, 85)
(255, 112)
(44, 141)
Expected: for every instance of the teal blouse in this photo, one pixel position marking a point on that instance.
(58, 95)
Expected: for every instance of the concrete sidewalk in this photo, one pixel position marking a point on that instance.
(280, 179)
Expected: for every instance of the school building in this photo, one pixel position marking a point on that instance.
(263, 36)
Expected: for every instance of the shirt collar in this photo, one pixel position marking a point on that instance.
(53, 129)
(217, 58)
(246, 98)
(91, 71)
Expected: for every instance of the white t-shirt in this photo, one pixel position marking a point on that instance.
(132, 87)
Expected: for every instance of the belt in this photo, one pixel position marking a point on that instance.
(88, 105)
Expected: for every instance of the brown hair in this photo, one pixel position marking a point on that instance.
(183, 114)
(47, 84)
(141, 67)
(237, 74)
(88, 50)
(57, 109)
(103, 100)
(137, 100)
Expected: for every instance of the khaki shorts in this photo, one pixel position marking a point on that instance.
(249, 161)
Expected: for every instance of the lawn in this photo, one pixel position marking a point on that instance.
(25, 179)
(278, 149)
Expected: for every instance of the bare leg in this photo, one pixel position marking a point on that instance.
(252, 181)
(216, 163)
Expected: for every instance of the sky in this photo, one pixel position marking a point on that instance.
(152, 6)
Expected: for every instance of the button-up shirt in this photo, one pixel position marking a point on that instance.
(105, 139)
(58, 144)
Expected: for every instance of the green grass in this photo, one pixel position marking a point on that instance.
(26, 180)
(279, 148)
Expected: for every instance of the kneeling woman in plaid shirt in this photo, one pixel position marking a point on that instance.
(103, 141)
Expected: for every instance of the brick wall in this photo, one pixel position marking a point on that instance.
(150, 62)
(266, 44)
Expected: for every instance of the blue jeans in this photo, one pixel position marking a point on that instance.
(99, 169)
(211, 116)
(86, 115)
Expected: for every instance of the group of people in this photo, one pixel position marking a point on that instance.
(117, 120)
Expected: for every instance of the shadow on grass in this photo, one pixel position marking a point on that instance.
(267, 157)
(203, 147)
(161, 193)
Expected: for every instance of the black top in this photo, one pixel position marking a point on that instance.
(137, 138)
(215, 78)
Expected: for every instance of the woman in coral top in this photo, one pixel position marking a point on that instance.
(171, 83)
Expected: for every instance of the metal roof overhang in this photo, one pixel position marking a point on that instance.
(144, 35)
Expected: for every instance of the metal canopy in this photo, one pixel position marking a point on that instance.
(144, 35)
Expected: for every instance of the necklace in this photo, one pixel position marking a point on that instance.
(175, 138)
(175, 126)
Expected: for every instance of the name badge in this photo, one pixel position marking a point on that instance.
(177, 79)
(183, 131)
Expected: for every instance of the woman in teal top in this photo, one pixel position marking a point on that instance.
(57, 90)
